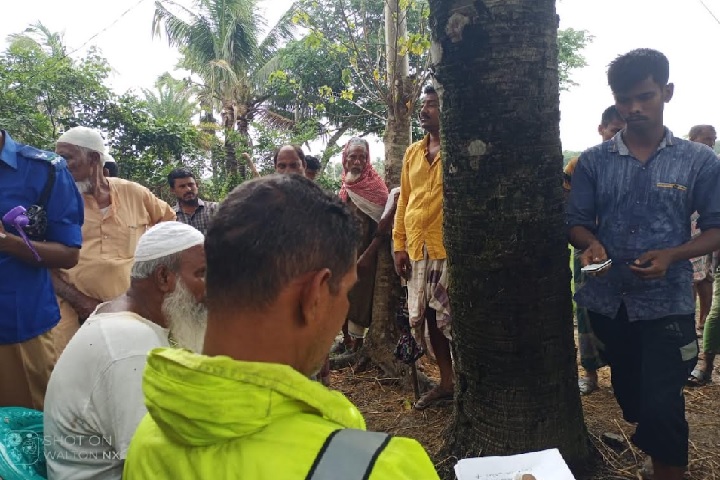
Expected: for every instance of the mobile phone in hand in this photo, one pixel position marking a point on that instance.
(595, 267)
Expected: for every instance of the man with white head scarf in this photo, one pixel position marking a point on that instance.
(117, 213)
(94, 399)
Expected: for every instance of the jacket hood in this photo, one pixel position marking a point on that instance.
(199, 400)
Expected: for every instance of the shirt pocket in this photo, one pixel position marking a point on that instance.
(669, 200)
(130, 233)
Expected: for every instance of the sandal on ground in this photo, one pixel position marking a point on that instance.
(699, 378)
(434, 397)
(587, 385)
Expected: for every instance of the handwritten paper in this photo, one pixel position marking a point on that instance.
(545, 465)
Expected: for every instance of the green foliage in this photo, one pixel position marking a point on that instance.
(568, 154)
(171, 99)
(338, 70)
(147, 148)
(331, 178)
(43, 92)
(219, 42)
(329, 183)
(267, 139)
(571, 43)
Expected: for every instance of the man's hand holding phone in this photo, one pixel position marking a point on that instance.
(593, 255)
(653, 264)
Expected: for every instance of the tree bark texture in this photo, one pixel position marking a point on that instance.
(516, 374)
(383, 334)
(228, 119)
(397, 131)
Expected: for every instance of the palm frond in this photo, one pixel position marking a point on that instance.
(176, 29)
(272, 119)
(261, 75)
(283, 31)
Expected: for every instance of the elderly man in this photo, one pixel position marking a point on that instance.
(190, 208)
(365, 194)
(289, 159)
(273, 309)
(28, 309)
(117, 213)
(94, 399)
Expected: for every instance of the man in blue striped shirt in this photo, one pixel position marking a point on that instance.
(631, 202)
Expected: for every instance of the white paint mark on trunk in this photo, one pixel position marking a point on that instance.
(436, 52)
(455, 26)
(477, 148)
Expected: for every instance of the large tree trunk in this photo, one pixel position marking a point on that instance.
(383, 334)
(496, 61)
(397, 130)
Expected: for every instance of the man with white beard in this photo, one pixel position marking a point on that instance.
(365, 193)
(94, 400)
(117, 213)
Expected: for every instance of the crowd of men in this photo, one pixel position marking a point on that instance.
(183, 341)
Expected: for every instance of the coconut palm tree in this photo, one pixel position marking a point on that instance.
(497, 73)
(219, 42)
(171, 99)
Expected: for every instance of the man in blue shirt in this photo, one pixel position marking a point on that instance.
(631, 202)
(28, 309)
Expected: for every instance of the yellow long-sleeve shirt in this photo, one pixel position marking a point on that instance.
(419, 216)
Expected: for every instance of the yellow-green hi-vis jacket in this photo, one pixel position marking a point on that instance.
(217, 418)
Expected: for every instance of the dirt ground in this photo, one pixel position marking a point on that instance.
(388, 408)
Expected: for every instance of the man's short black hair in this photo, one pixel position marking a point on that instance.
(271, 230)
(299, 151)
(313, 164)
(177, 174)
(610, 114)
(628, 70)
(112, 169)
(429, 90)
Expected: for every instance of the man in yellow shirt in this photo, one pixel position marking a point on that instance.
(117, 213)
(420, 255)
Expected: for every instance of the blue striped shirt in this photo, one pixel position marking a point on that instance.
(632, 208)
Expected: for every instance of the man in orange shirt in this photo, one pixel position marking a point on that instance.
(420, 255)
(117, 213)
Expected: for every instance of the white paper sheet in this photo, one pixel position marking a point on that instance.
(545, 465)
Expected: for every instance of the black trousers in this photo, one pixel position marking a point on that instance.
(650, 361)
